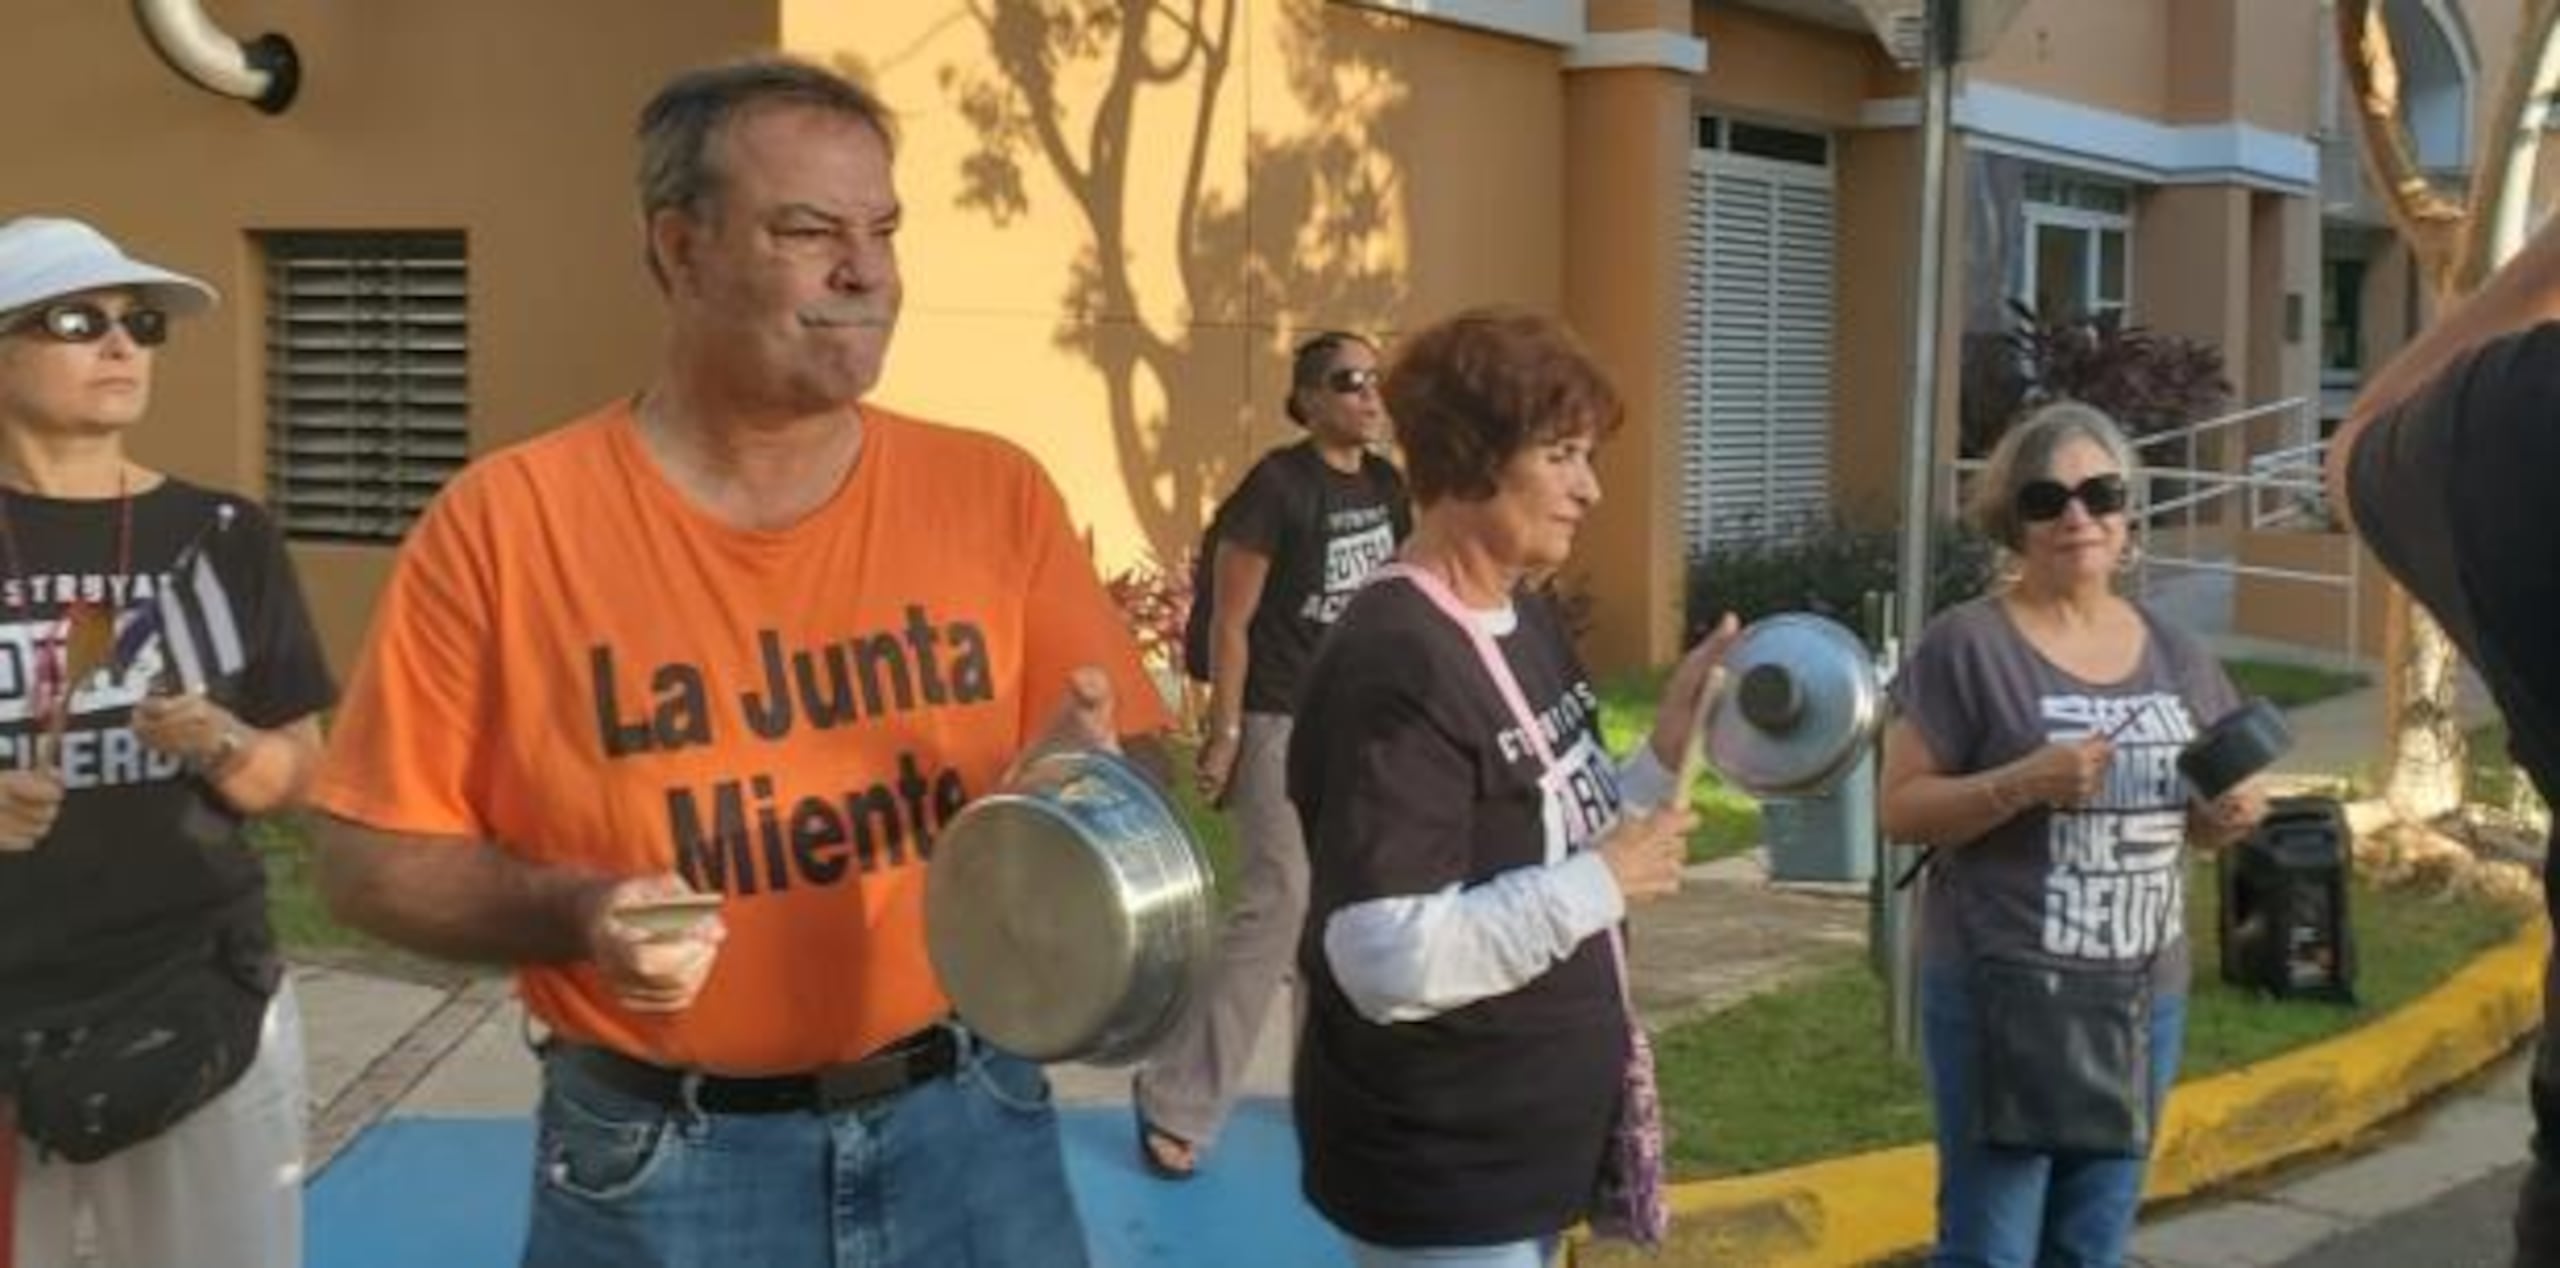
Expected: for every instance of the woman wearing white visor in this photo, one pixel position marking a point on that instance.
(159, 684)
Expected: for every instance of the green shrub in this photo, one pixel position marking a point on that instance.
(2147, 381)
(1826, 566)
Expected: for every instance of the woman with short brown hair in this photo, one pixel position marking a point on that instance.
(1472, 845)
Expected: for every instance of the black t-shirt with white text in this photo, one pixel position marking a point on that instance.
(1324, 532)
(1485, 1123)
(145, 861)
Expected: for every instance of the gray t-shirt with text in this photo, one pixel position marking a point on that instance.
(2100, 886)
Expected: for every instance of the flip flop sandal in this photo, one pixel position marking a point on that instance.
(1148, 1135)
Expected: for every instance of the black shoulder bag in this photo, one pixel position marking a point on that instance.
(114, 1070)
(2064, 1059)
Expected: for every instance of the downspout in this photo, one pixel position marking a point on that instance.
(264, 72)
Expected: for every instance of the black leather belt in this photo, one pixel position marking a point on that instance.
(922, 1057)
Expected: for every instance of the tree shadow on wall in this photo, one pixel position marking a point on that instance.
(1314, 235)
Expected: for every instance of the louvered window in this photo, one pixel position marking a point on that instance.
(368, 379)
(1759, 324)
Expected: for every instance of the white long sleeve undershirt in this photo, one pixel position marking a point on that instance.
(1414, 957)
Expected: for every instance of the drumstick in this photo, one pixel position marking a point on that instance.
(1693, 754)
(2128, 719)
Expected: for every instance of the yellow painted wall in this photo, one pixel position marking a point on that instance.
(505, 120)
(1120, 296)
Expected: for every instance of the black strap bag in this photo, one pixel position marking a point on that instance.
(114, 1070)
(2064, 1065)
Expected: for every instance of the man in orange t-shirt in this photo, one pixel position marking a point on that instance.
(745, 636)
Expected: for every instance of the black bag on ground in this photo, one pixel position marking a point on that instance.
(121, 1068)
(2064, 1064)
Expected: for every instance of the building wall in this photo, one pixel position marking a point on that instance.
(410, 117)
(1631, 130)
(1767, 67)
(1121, 296)
(2109, 54)
(1879, 249)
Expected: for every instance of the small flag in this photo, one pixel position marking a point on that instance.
(148, 615)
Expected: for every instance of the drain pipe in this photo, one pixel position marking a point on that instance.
(264, 72)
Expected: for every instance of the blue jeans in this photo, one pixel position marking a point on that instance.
(1534, 1254)
(2003, 1208)
(963, 1170)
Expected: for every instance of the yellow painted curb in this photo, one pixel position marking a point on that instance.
(1855, 1210)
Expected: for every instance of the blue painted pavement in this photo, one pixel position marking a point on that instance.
(451, 1193)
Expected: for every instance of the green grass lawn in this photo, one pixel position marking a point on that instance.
(293, 902)
(1802, 1073)
(1728, 819)
(2291, 686)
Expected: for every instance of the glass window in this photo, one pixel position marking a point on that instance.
(2079, 233)
(2342, 316)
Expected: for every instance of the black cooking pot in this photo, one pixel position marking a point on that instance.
(2242, 743)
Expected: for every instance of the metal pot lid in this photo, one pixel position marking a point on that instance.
(1800, 702)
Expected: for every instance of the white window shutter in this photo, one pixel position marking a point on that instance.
(1760, 313)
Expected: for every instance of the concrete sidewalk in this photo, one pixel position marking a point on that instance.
(2309, 1214)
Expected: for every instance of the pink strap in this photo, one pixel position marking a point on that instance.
(1508, 683)
(1445, 599)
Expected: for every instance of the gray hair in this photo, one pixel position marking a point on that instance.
(2025, 455)
(679, 123)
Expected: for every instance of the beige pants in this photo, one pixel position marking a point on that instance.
(1190, 1083)
(222, 1189)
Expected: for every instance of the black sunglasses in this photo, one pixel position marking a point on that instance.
(1350, 379)
(2043, 500)
(79, 321)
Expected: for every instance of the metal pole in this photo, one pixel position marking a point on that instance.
(1919, 466)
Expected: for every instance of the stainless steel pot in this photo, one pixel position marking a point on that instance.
(1069, 913)
(1800, 704)
(2240, 744)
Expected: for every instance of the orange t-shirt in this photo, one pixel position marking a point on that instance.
(577, 663)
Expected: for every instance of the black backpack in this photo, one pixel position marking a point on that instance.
(1196, 622)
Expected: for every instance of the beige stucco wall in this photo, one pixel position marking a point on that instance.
(1626, 264)
(2172, 61)
(2192, 275)
(411, 117)
(1879, 189)
(2103, 53)
(2276, 72)
(1762, 66)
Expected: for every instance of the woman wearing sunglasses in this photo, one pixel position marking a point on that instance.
(159, 684)
(2035, 750)
(1284, 553)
